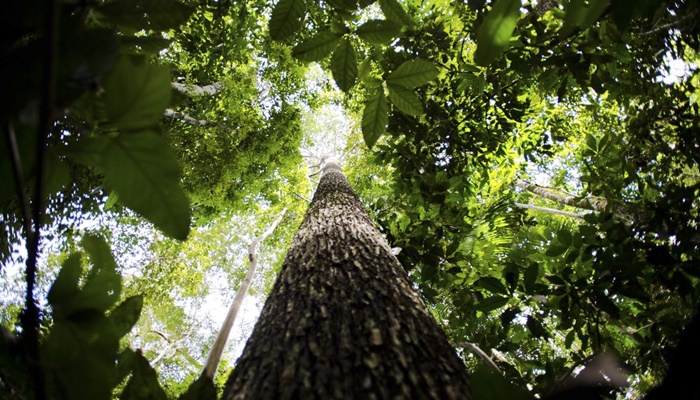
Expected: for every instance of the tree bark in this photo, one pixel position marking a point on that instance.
(343, 321)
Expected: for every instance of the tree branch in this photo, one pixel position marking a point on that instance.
(478, 352)
(550, 210)
(214, 357)
(170, 113)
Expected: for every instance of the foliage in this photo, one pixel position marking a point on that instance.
(455, 102)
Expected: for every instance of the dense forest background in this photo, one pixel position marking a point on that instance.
(536, 165)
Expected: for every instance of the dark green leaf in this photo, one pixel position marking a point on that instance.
(530, 277)
(156, 15)
(378, 31)
(125, 315)
(493, 36)
(103, 283)
(65, 287)
(492, 303)
(144, 172)
(143, 384)
(492, 284)
(556, 250)
(136, 94)
(287, 18)
(581, 14)
(316, 48)
(344, 65)
(375, 117)
(487, 384)
(536, 327)
(393, 11)
(413, 73)
(604, 303)
(405, 100)
(150, 45)
(201, 389)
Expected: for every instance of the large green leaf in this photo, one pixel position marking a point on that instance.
(493, 36)
(125, 315)
(66, 284)
(317, 47)
(103, 283)
(378, 31)
(394, 11)
(492, 303)
(344, 65)
(493, 285)
(405, 100)
(581, 14)
(142, 169)
(136, 94)
(287, 18)
(487, 383)
(413, 73)
(145, 14)
(143, 384)
(375, 117)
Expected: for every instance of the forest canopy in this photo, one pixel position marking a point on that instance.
(535, 165)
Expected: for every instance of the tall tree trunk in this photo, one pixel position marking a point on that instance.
(343, 321)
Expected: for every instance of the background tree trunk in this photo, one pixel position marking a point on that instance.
(343, 321)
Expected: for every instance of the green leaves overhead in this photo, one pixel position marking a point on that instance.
(405, 100)
(493, 36)
(413, 73)
(145, 173)
(378, 31)
(136, 94)
(287, 18)
(317, 47)
(344, 65)
(375, 118)
(393, 11)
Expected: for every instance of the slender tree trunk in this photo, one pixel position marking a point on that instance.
(550, 210)
(343, 321)
(214, 357)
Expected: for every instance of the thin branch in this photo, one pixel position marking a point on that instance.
(192, 121)
(18, 175)
(550, 210)
(212, 363)
(478, 352)
(672, 24)
(301, 197)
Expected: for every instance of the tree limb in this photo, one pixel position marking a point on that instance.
(214, 357)
(170, 113)
(550, 210)
(478, 352)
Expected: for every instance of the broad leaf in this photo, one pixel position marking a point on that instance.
(143, 383)
(287, 18)
(146, 14)
(65, 286)
(405, 100)
(103, 283)
(394, 11)
(581, 16)
(375, 118)
(378, 31)
(142, 169)
(136, 94)
(316, 48)
(413, 73)
(125, 315)
(492, 284)
(492, 303)
(201, 389)
(344, 65)
(486, 384)
(494, 34)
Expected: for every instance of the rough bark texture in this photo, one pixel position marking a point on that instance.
(343, 321)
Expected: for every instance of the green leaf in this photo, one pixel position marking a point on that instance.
(530, 277)
(492, 303)
(405, 100)
(136, 15)
(393, 11)
(492, 284)
(125, 315)
(143, 384)
(316, 48)
(536, 327)
(201, 389)
(65, 287)
(493, 36)
(375, 118)
(103, 283)
(487, 384)
(581, 14)
(145, 173)
(378, 31)
(556, 250)
(564, 237)
(413, 73)
(136, 94)
(344, 65)
(150, 45)
(287, 18)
